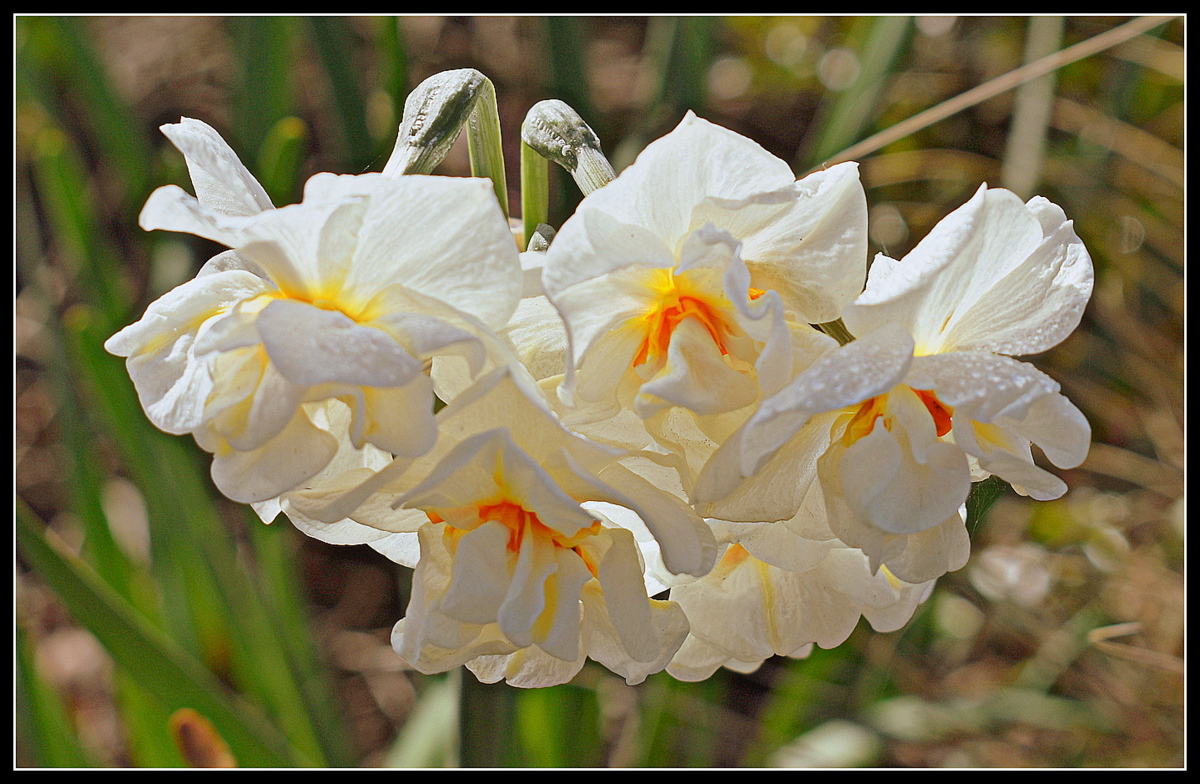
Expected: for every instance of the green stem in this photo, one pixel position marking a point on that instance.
(836, 330)
(535, 191)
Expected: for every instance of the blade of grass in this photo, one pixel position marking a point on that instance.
(535, 192)
(145, 653)
(285, 604)
(334, 39)
(280, 158)
(1032, 108)
(393, 64)
(60, 179)
(265, 70)
(559, 727)
(44, 732)
(235, 627)
(429, 737)
(846, 113)
(487, 721)
(120, 141)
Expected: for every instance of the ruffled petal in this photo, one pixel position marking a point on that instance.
(223, 184)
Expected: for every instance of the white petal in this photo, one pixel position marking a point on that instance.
(948, 270)
(400, 419)
(593, 243)
(539, 337)
(811, 247)
(848, 375)
(444, 237)
(284, 462)
(678, 171)
(603, 643)
(888, 487)
(620, 575)
(312, 346)
(222, 183)
(480, 575)
(696, 377)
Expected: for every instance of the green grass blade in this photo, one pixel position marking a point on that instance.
(280, 158)
(204, 581)
(146, 654)
(846, 114)
(263, 96)
(63, 44)
(333, 39)
(392, 54)
(44, 733)
(535, 192)
(487, 716)
(1033, 106)
(317, 713)
(559, 727)
(429, 737)
(484, 144)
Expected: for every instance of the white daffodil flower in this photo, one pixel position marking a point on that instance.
(690, 281)
(336, 301)
(896, 424)
(746, 610)
(513, 557)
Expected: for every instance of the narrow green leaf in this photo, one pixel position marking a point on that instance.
(61, 184)
(44, 732)
(263, 96)
(981, 497)
(535, 192)
(559, 727)
(484, 144)
(285, 605)
(209, 600)
(334, 41)
(429, 737)
(280, 158)
(121, 142)
(152, 659)
(845, 115)
(393, 62)
(487, 716)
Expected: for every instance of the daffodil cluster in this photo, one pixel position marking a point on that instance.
(690, 429)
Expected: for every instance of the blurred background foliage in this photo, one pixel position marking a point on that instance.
(159, 625)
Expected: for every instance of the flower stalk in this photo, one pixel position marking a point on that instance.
(556, 132)
(434, 115)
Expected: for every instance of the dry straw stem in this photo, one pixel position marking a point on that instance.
(1101, 638)
(999, 85)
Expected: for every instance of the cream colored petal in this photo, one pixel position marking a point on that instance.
(603, 643)
(311, 346)
(222, 183)
(281, 464)
(480, 575)
(444, 237)
(696, 376)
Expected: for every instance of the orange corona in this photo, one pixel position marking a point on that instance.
(862, 422)
(677, 300)
(520, 523)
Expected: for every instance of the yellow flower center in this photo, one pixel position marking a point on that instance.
(862, 420)
(679, 298)
(521, 522)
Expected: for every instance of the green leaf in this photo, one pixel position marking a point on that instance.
(980, 499)
(44, 731)
(334, 41)
(155, 662)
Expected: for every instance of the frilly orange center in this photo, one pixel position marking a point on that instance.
(521, 522)
(677, 300)
(862, 422)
